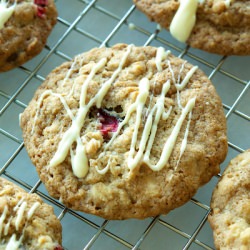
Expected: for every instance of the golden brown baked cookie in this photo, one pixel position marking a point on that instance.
(24, 28)
(26, 222)
(230, 204)
(216, 26)
(125, 131)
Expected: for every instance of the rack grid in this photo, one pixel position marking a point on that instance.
(82, 25)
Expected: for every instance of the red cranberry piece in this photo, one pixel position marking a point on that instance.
(58, 248)
(41, 2)
(109, 123)
(40, 11)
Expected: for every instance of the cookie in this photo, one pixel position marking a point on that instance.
(24, 28)
(216, 26)
(230, 204)
(125, 132)
(26, 222)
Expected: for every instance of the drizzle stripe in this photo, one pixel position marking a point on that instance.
(184, 20)
(5, 12)
(20, 213)
(2, 218)
(159, 113)
(169, 145)
(80, 160)
(185, 81)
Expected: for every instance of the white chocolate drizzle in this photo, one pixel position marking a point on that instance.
(13, 243)
(185, 18)
(153, 118)
(184, 141)
(79, 159)
(140, 107)
(32, 210)
(149, 131)
(2, 218)
(69, 72)
(20, 213)
(5, 12)
(104, 170)
(161, 55)
(186, 79)
(170, 143)
(40, 100)
(228, 2)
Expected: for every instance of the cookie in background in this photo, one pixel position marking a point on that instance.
(26, 222)
(216, 26)
(24, 29)
(230, 204)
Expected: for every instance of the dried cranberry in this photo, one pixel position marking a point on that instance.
(41, 4)
(58, 248)
(109, 123)
(41, 11)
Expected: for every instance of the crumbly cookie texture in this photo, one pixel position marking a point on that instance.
(125, 132)
(24, 30)
(230, 216)
(221, 26)
(26, 222)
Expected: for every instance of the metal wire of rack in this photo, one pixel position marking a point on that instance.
(82, 25)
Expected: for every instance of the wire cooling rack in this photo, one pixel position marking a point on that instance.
(82, 25)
